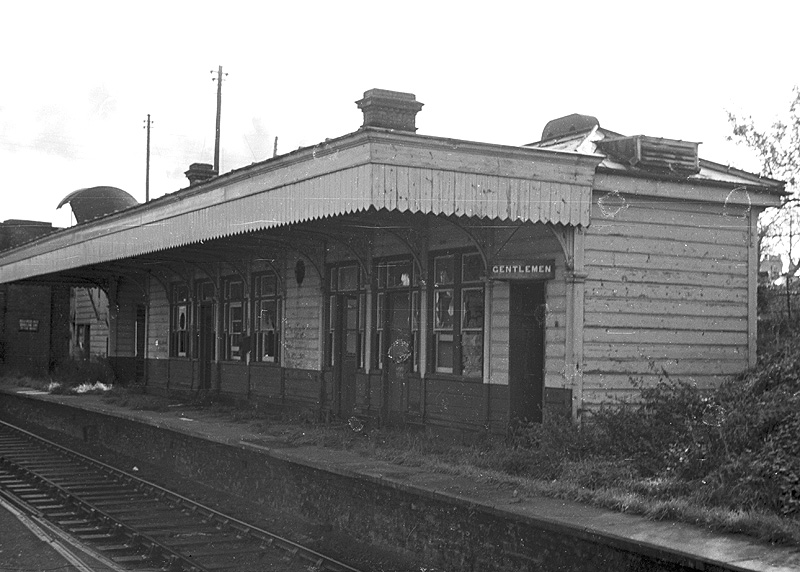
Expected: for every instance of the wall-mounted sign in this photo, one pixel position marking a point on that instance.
(523, 270)
(29, 325)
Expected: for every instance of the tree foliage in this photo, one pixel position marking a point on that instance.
(778, 150)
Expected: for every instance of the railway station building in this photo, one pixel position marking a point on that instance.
(427, 280)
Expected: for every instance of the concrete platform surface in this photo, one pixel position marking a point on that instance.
(698, 547)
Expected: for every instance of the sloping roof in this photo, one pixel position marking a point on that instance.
(591, 141)
(370, 169)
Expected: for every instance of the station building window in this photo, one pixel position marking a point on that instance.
(346, 314)
(179, 322)
(266, 318)
(233, 325)
(397, 309)
(457, 314)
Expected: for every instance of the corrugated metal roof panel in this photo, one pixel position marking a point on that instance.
(261, 201)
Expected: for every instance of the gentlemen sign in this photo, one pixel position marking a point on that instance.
(524, 270)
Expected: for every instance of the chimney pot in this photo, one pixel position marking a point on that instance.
(200, 173)
(389, 109)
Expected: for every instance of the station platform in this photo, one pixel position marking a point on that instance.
(687, 547)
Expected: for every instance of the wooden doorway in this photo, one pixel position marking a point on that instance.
(398, 351)
(526, 351)
(346, 347)
(206, 345)
(141, 339)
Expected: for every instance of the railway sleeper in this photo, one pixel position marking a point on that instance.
(51, 507)
(230, 552)
(131, 558)
(114, 547)
(91, 529)
(189, 542)
(73, 522)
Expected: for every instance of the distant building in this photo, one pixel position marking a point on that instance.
(429, 280)
(34, 333)
(772, 265)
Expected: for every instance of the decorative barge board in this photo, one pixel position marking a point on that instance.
(425, 280)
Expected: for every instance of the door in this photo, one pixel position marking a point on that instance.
(346, 346)
(206, 345)
(526, 351)
(140, 341)
(399, 351)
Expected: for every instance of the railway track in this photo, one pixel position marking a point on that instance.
(134, 523)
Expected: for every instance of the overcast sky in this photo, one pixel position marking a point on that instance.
(79, 78)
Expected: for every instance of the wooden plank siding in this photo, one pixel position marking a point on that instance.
(455, 402)
(302, 346)
(181, 374)
(666, 294)
(530, 242)
(234, 379)
(129, 295)
(90, 307)
(157, 322)
(266, 381)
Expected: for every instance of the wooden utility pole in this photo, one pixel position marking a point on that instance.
(147, 172)
(218, 79)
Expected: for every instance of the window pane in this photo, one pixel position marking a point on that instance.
(348, 278)
(472, 268)
(472, 354)
(351, 342)
(443, 310)
(181, 293)
(443, 270)
(399, 274)
(351, 319)
(270, 348)
(267, 316)
(236, 319)
(382, 272)
(269, 285)
(235, 291)
(472, 309)
(444, 353)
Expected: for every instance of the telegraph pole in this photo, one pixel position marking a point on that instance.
(218, 79)
(147, 172)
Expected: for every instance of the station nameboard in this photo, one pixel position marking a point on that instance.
(523, 270)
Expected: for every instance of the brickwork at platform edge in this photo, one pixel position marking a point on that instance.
(450, 534)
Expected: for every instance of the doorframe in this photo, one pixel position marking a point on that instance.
(542, 284)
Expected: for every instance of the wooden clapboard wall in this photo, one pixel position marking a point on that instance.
(157, 322)
(667, 291)
(530, 242)
(91, 308)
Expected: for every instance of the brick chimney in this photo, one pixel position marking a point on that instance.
(389, 109)
(200, 173)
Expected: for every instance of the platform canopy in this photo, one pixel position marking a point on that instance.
(372, 168)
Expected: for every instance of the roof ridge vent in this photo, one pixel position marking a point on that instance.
(656, 154)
